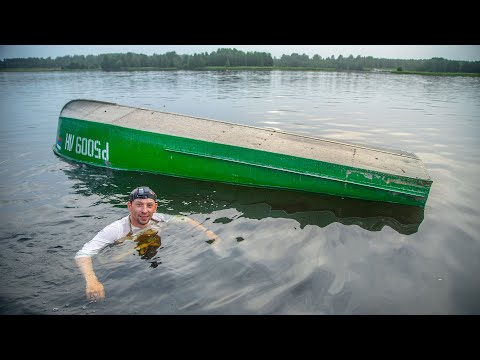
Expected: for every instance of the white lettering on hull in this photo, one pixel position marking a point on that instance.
(86, 147)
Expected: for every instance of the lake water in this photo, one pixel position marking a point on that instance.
(281, 252)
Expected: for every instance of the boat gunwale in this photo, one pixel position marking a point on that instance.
(326, 177)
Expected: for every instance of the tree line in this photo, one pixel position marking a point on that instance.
(226, 58)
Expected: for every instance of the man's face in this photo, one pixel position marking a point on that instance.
(141, 211)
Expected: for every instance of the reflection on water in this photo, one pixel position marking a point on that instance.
(252, 203)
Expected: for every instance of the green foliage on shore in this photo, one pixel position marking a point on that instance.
(401, 72)
(29, 69)
(232, 59)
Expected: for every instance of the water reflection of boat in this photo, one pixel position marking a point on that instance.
(191, 196)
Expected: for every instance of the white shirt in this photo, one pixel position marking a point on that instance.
(120, 228)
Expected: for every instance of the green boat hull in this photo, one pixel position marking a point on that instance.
(124, 148)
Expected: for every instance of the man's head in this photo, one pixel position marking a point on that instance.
(142, 205)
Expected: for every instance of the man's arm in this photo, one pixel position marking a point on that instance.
(94, 288)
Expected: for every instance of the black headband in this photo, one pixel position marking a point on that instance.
(142, 192)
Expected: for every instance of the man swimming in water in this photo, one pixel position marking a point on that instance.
(141, 220)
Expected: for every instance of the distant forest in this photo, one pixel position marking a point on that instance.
(232, 58)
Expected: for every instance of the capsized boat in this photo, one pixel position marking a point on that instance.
(136, 139)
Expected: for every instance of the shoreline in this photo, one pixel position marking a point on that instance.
(246, 68)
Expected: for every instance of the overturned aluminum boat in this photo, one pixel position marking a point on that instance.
(136, 139)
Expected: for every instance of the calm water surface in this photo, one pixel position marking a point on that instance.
(281, 252)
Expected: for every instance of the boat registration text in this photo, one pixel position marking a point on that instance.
(87, 147)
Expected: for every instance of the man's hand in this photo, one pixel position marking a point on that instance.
(213, 237)
(94, 290)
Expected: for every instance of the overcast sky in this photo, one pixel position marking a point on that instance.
(450, 52)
